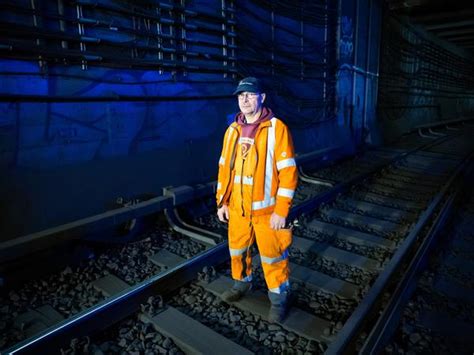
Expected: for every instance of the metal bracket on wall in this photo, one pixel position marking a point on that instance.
(180, 194)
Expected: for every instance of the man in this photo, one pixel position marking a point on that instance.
(256, 184)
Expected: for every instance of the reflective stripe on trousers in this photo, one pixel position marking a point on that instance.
(273, 246)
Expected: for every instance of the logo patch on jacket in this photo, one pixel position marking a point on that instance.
(245, 144)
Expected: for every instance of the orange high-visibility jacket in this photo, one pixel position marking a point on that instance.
(265, 181)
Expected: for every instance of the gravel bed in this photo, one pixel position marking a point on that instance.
(130, 262)
(340, 172)
(136, 337)
(405, 172)
(372, 213)
(420, 161)
(70, 290)
(414, 178)
(319, 303)
(352, 167)
(391, 175)
(344, 272)
(399, 195)
(414, 339)
(324, 305)
(360, 195)
(130, 336)
(182, 245)
(379, 155)
(363, 228)
(376, 253)
(469, 209)
(411, 194)
(370, 159)
(463, 254)
(465, 228)
(395, 184)
(245, 329)
(411, 336)
(210, 221)
(432, 300)
(410, 141)
(306, 191)
(463, 277)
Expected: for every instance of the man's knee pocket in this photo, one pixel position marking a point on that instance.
(284, 237)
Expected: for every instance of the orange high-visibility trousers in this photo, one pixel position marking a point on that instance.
(272, 245)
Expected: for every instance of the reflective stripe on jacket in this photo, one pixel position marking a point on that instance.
(265, 181)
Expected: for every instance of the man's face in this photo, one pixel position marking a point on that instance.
(250, 103)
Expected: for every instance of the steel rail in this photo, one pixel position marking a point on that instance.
(120, 306)
(390, 316)
(352, 328)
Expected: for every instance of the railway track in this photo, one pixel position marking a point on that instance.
(438, 315)
(38, 304)
(340, 250)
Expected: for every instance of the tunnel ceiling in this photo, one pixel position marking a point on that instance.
(452, 21)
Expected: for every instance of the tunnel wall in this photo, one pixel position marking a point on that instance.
(423, 80)
(120, 98)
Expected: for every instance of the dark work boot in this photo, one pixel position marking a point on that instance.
(279, 306)
(237, 291)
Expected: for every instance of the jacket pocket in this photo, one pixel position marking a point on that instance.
(285, 237)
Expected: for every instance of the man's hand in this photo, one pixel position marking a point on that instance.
(277, 222)
(223, 213)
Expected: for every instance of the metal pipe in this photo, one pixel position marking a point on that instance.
(420, 133)
(62, 23)
(272, 28)
(312, 180)
(202, 231)
(80, 30)
(367, 63)
(179, 228)
(121, 98)
(301, 43)
(224, 29)
(325, 49)
(95, 22)
(111, 62)
(354, 75)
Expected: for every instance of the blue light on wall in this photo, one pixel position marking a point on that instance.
(69, 157)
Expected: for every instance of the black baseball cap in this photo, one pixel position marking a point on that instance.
(249, 84)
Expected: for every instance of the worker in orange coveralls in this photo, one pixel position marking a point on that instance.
(256, 184)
